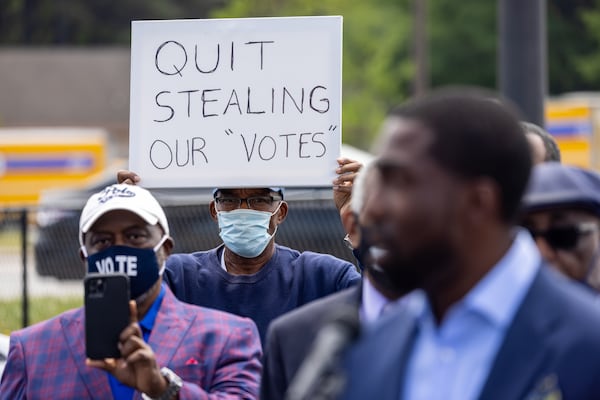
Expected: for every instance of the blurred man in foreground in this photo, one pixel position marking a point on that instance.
(491, 321)
(170, 350)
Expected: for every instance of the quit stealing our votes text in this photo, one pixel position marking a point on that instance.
(212, 103)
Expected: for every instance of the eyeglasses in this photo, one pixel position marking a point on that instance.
(258, 203)
(565, 237)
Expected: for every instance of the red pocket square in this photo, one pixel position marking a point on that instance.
(191, 361)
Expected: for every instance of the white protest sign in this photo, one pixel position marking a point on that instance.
(236, 102)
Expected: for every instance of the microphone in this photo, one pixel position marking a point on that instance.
(318, 376)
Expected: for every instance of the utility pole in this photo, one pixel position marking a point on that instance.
(28, 11)
(522, 55)
(420, 47)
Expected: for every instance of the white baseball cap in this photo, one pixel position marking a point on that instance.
(122, 197)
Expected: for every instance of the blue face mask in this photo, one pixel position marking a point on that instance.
(245, 232)
(141, 265)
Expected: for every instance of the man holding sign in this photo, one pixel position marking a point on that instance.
(250, 275)
(245, 106)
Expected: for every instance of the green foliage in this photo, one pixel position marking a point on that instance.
(462, 40)
(570, 50)
(584, 57)
(40, 309)
(77, 22)
(377, 69)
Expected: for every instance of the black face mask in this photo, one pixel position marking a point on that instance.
(362, 252)
(141, 265)
(365, 262)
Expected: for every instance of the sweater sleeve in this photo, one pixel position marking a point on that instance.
(348, 277)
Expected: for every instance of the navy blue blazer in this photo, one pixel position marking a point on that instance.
(290, 338)
(551, 347)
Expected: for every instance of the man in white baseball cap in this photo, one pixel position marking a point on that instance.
(169, 350)
(122, 197)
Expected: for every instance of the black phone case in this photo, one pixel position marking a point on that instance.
(106, 313)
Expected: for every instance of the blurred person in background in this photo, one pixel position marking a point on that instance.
(543, 146)
(561, 210)
(169, 350)
(290, 337)
(249, 274)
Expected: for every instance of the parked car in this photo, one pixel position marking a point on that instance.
(313, 223)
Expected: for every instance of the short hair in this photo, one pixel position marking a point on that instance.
(358, 188)
(476, 134)
(552, 150)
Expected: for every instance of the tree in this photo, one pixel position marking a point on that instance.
(90, 22)
(463, 42)
(377, 69)
(581, 20)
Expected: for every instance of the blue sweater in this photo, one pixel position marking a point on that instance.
(289, 280)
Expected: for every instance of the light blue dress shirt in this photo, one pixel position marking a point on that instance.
(372, 302)
(451, 361)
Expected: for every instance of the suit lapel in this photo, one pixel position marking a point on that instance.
(355, 296)
(407, 340)
(525, 346)
(169, 330)
(350, 297)
(95, 380)
(395, 331)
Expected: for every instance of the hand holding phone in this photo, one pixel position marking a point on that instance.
(106, 313)
(140, 369)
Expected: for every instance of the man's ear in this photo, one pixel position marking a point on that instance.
(213, 210)
(348, 219)
(282, 213)
(482, 202)
(168, 246)
(350, 223)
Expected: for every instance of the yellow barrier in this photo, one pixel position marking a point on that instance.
(570, 122)
(34, 159)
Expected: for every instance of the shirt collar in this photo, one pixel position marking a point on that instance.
(498, 295)
(372, 302)
(147, 323)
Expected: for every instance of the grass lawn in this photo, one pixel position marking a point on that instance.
(40, 308)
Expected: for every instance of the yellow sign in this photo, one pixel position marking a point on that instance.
(571, 125)
(568, 111)
(34, 159)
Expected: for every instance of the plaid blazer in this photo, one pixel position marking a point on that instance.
(216, 354)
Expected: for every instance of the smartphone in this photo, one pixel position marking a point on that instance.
(106, 306)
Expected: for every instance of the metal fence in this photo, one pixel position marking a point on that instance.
(46, 243)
